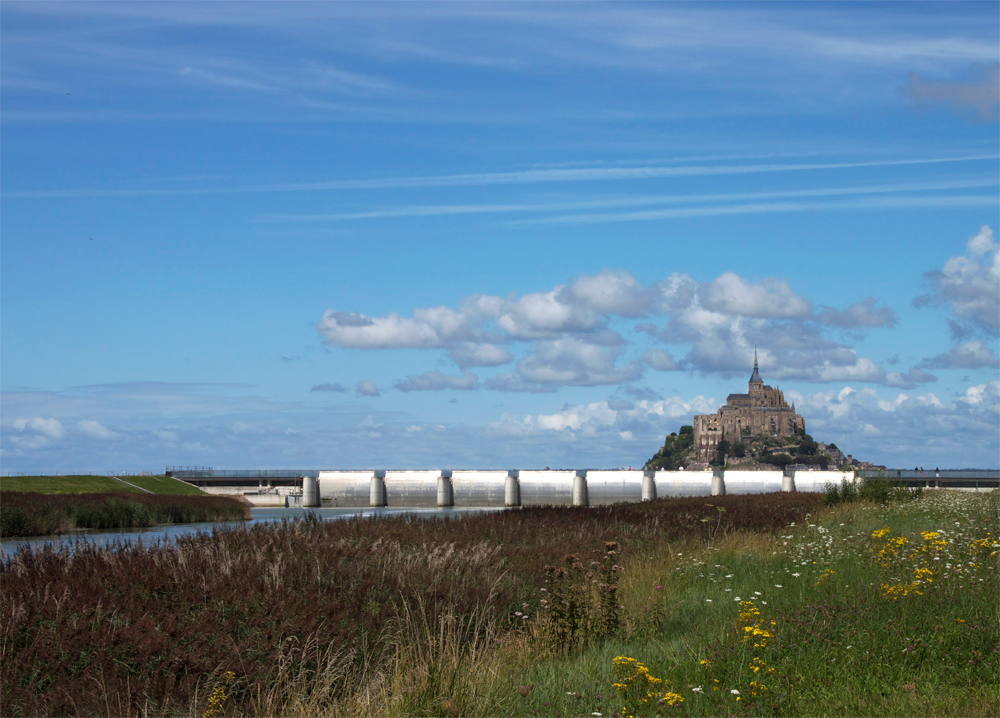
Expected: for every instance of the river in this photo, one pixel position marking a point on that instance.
(169, 532)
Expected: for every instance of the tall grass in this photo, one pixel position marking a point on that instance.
(811, 621)
(360, 617)
(34, 514)
(880, 490)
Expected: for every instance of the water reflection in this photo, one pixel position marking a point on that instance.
(156, 534)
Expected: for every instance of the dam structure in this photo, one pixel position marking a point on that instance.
(492, 489)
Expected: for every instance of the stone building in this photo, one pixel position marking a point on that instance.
(762, 411)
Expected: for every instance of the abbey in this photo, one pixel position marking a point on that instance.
(762, 411)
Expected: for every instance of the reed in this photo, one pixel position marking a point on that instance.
(310, 616)
(36, 514)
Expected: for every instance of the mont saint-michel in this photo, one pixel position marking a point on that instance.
(762, 411)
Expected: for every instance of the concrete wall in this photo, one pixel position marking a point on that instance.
(676, 484)
(752, 482)
(610, 487)
(541, 488)
(817, 480)
(478, 488)
(349, 489)
(419, 489)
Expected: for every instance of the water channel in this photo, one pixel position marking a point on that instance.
(170, 532)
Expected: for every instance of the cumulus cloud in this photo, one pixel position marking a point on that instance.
(427, 329)
(570, 338)
(619, 417)
(94, 430)
(467, 354)
(911, 378)
(329, 387)
(610, 293)
(970, 355)
(568, 362)
(730, 294)
(975, 100)
(50, 427)
(659, 360)
(969, 284)
(366, 388)
(437, 381)
(907, 429)
(862, 314)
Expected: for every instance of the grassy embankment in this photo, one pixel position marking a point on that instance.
(835, 612)
(44, 505)
(87, 484)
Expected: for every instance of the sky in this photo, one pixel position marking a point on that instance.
(492, 235)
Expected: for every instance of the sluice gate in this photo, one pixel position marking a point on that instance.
(484, 489)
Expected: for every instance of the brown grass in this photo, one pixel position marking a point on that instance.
(310, 616)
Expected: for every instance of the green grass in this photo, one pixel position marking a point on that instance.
(839, 644)
(96, 484)
(164, 485)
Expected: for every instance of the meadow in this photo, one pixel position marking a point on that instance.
(740, 605)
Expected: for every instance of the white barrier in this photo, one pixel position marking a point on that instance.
(425, 489)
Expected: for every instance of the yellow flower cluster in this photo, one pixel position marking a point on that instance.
(825, 575)
(218, 697)
(636, 685)
(750, 624)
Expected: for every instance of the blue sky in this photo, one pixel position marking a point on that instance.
(381, 235)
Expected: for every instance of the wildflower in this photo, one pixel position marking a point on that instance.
(518, 613)
(778, 585)
(697, 690)
(796, 575)
(734, 692)
(708, 600)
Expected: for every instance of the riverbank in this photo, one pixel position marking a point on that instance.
(36, 514)
(397, 616)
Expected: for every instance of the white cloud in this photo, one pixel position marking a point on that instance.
(915, 375)
(906, 429)
(437, 381)
(568, 362)
(732, 295)
(978, 394)
(94, 430)
(366, 388)
(969, 355)
(611, 293)
(50, 428)
(970, 283)
(467, 354)
(429, 328)
(572, 340)
(329, 387)
(659, 360)
(861, 314)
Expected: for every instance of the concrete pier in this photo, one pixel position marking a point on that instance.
(511, 490)
(648, 485)
(445, 494)
(310, 492)
(788, 483)
(377, 493)
(580, 489)
(718, 484)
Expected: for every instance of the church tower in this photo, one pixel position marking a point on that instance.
(756, 383)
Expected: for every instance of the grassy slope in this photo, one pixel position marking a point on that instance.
(95, 484)
(838, 645)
